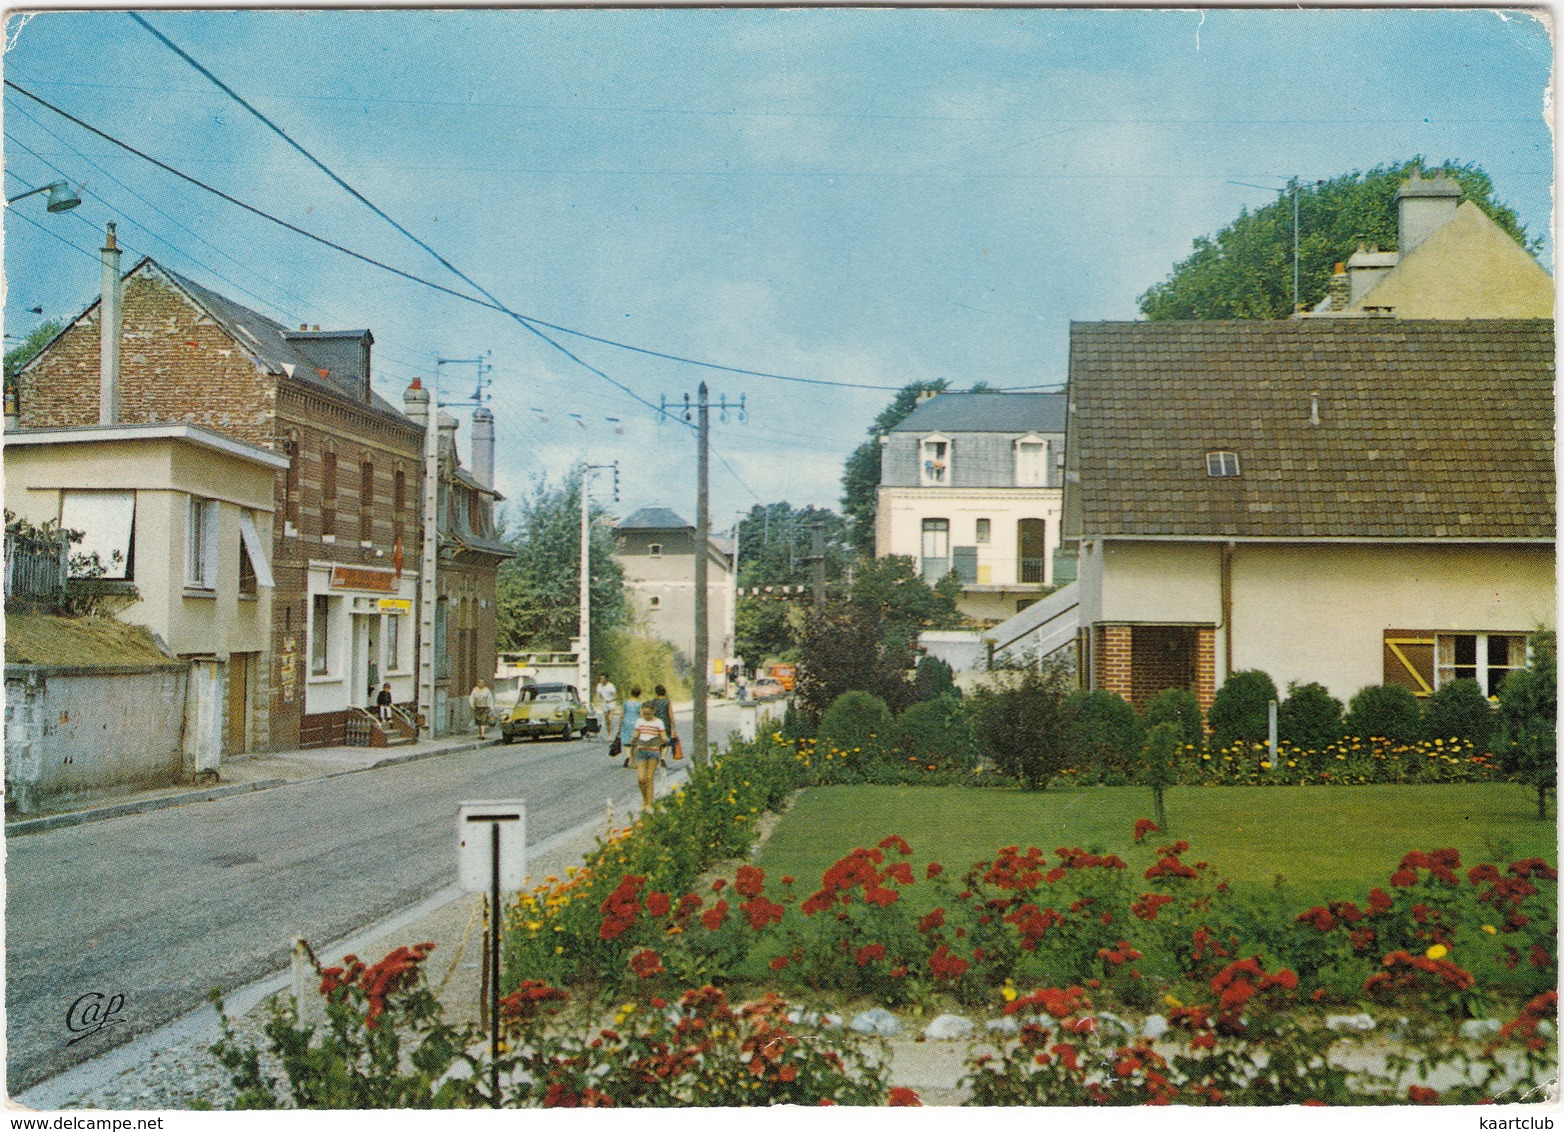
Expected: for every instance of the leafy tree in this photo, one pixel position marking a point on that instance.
(1104, 730)
(890, 591)
(1385, 711)
(1240, 711)
(1021, 723)
(1179, 707)
(1310, 717)
(775, 545)
(1246, 269)
(1162, 744)
(842, 650)
(934, 679)
(1528, 721)
(538, 588)
(1459, 710)
(19, 356)
(861, 474)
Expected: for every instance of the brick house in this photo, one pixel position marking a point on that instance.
(345, 544)
(972, 483)
(1348, 501)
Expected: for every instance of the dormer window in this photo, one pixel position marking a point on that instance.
(1221, 465)
(1031, 461)
(934, 461)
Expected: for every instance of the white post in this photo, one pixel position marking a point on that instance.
(584, 651)
(1272, 720)
(306, 998)
(429, 559)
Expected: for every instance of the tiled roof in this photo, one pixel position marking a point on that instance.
(1427, 429)
(655, 519)
(987, 412)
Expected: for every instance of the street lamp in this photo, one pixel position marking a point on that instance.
(61, 199)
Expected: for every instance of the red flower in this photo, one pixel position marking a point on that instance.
(1149, 904)
(934, 870)
(945, 965)
(760, 912)
(715, 916)
(657, 904)
(779, 962)
(646, 963)
(895, 841)
(1145, 826)
(1403, 878)
(900, 872)
(884, 897)
(935, 919)
(787, 880)
(1379, 901)
(1318, 916)
(750, 881)
(868, 953)
(1419, 1094)
(903, 1097)
(719, 884)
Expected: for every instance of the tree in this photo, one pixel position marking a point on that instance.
(1310, 717)
(841, 651)
(775, 544)
(1246, 269)
(890, 591)
(1528, 721)
(934, 679)
(861, 474)
(16, 358)
(1241, 710)
(1159, 773)
(538, 591)
(1385, 711)
(1179, 707)
(1104, 730)
(1459, 710)
(1021, 723)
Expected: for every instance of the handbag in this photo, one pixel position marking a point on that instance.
(678, 748)
(616, 748)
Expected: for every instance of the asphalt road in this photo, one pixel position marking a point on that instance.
(161, 908)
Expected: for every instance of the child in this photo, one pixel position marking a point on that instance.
(383, 701)
(650, 736)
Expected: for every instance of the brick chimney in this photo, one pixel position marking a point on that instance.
(1424, 206)
(1340, 289)
(1366, 267)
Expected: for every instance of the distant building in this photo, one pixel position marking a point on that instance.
(1347, 501)
(1453, 262)
(656, 549)
(973, 483)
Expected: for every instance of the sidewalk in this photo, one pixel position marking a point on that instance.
(237, 776)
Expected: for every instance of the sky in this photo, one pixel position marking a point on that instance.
(868, 197)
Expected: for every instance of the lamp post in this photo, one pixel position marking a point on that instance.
(61, 198)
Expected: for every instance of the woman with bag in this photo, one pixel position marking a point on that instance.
(648, 738)
(627, 722)
(663, 709)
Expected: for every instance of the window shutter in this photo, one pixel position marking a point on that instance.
(1409, 659)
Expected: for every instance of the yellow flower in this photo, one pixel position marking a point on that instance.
(1008, 993)
(1265, 766)
(1171, 1001)
(1490, 929)
(1438, 951)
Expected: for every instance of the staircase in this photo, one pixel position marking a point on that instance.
(365, 729)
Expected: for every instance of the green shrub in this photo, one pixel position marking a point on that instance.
(934, 679)
(794, 724)
(1158, 771)
(857, 722)
(1105, 733)
(1385, 711)
(1240, 712)
(1021, 724)
(1310, 717)
(1459, 710)
(1181, 708)
(935, 734)
(1528, 721)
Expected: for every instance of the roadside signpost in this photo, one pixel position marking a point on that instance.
(491, 845)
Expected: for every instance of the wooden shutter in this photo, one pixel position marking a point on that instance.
(1409, 659)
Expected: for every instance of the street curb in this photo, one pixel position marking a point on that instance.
(147, 805)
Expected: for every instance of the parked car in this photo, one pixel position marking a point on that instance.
(546, 709)
(767, 688)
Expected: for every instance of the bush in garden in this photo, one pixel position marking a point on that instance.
(1309, 718)
(1021, 723)
(858, 723)
(1104, 732)
(794, 725)
(1240, 711)
(1459, 710)
(1162, 745)
(934, 734)
(934, 679)
(1385, 711)
(1528, 721)
(1180, 707)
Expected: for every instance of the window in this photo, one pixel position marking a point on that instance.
(442, 646)
(398, 501)
(654, 602)
(366, 502)
(254, 569)
(1032, 551)
(1221, 465)
(936, 549)
(201, 544)
(655, 549)
(1485, 657)
(1031, 463)
(290, 480)
(393, 643)
(107, 520)
(934, 461)
(320, 635)
(985, 531)
(328, 494)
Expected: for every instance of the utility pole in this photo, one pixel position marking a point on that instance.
(428, 560)
(817, 560)
(702, 413)
(584, 646)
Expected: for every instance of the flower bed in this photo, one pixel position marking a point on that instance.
(1350, 762)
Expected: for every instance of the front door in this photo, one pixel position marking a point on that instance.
(238, 703)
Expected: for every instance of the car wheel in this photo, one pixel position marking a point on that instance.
(564, 735)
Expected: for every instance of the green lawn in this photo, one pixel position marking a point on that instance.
(1325, 841)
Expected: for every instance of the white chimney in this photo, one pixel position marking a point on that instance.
(1366, 267)
(415, 403)
(483, 446)
(1423, 206)
(110, 316)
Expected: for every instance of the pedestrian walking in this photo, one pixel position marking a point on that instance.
(662, 708)
(482, 701)
(630, 713)
(648, 738)
(383, 702)
(607, 697)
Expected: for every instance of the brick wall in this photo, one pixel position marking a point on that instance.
(1205, 667)
(1113, 655)
(1138, 661)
